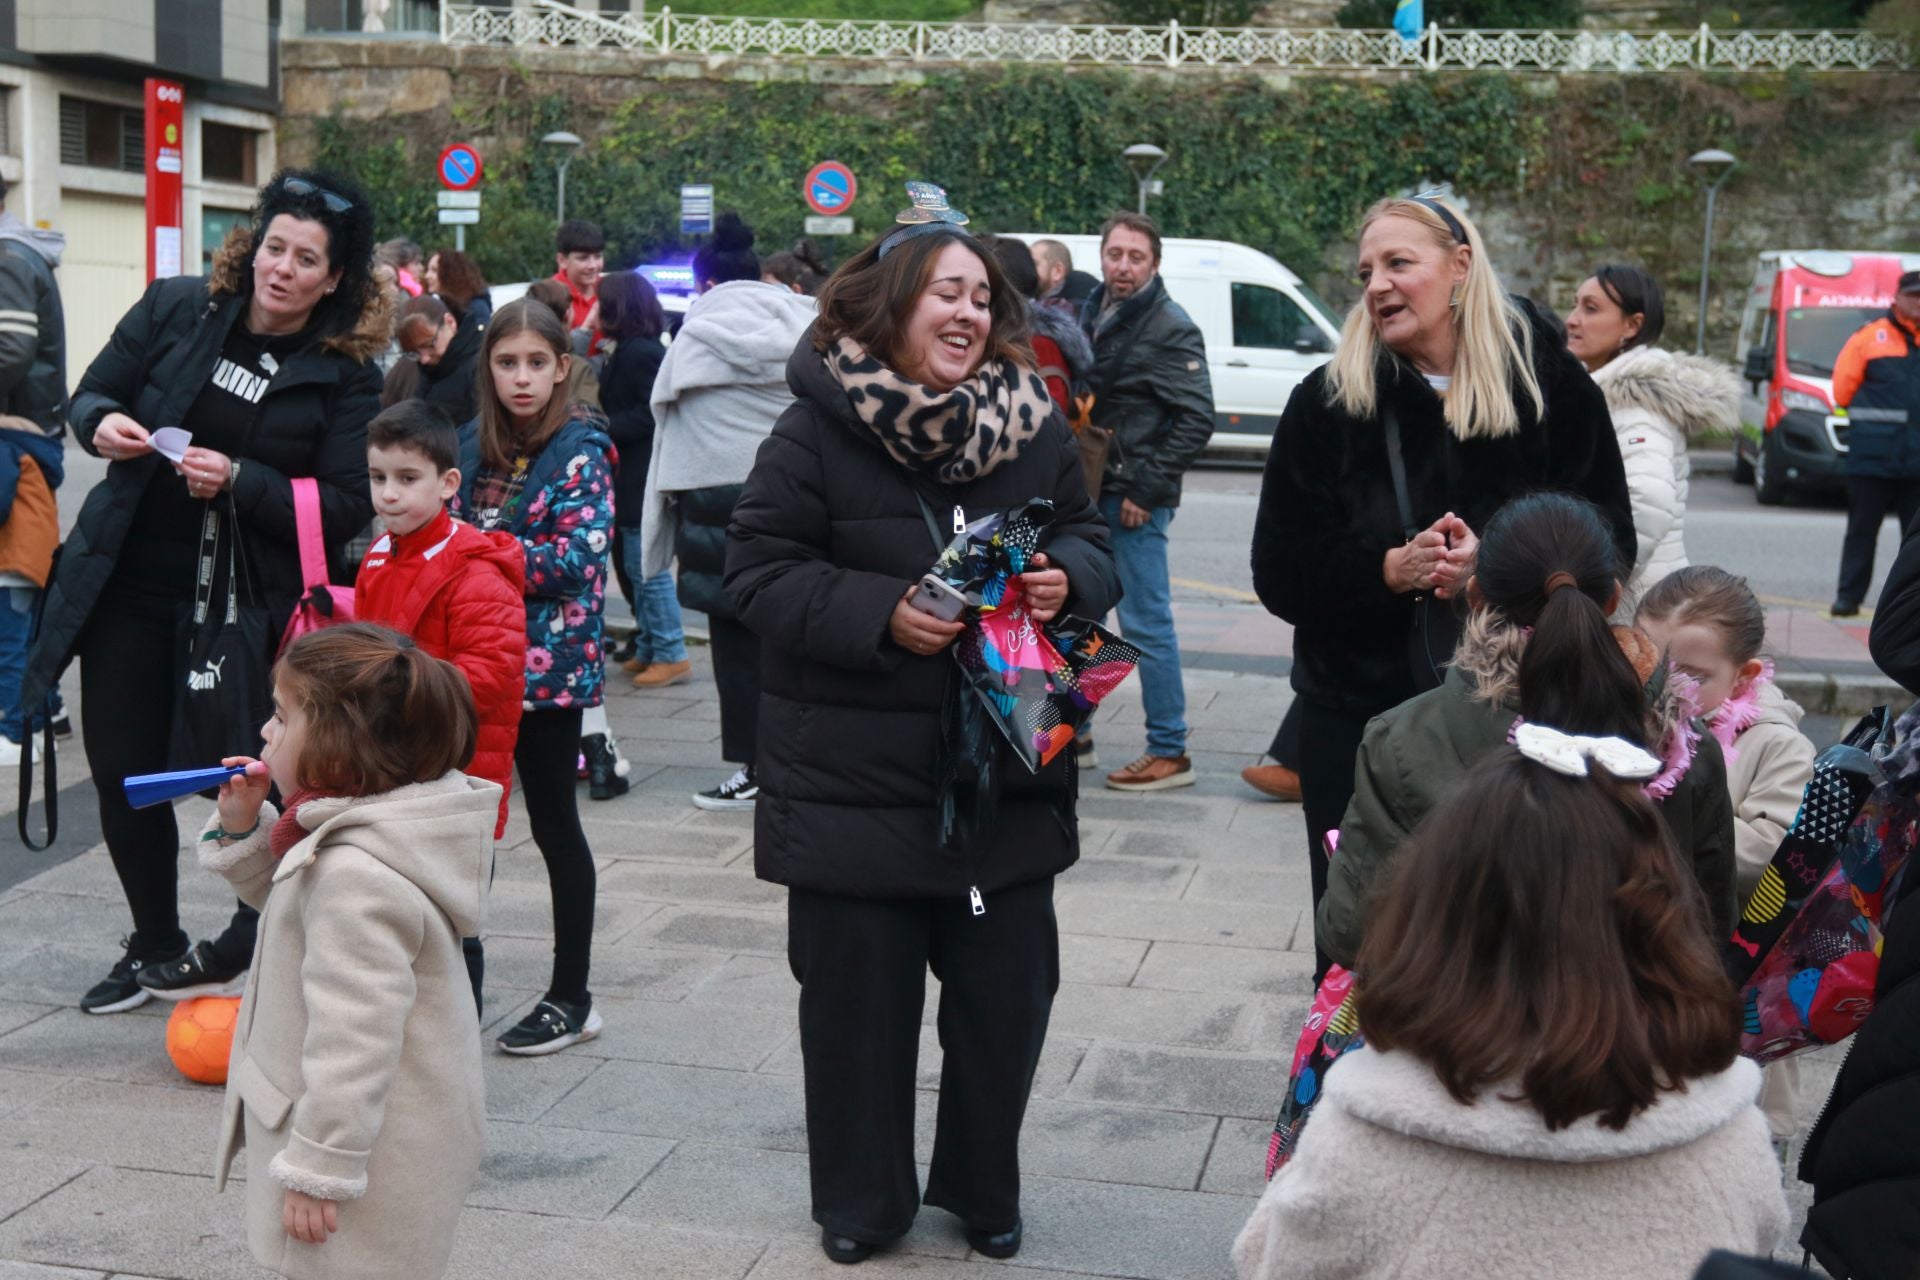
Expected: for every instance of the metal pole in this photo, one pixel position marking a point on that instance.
(460, 237)
(561, 214)
(1706, 266)
(1143, 195)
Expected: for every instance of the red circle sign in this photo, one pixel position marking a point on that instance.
(459, 167)
(829, 188)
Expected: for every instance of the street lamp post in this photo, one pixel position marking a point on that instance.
(564, 144)
(1714, 165)
(1144, 159)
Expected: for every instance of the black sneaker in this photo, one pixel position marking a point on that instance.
(197, 973)
(738, 792)
(62, 727)
(120, 990)
(606, 771)
(1845, 608)
(552, 1026)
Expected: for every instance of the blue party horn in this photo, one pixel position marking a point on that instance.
(148, 789)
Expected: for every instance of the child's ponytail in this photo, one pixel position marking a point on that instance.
(1547, 561)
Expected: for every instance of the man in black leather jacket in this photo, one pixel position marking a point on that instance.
(1153, 392)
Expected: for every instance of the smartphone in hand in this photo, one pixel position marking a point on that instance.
(934, 597)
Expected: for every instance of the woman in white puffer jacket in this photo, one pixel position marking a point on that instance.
(1658, 398)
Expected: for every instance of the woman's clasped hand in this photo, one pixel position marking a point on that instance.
(1437, 559)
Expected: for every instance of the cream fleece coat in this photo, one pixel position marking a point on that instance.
(355, 1073)
(1657, 400)
(1394, 1179)
(1767, 772)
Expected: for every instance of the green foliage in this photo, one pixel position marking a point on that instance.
(1492, 15)
(1188, 13)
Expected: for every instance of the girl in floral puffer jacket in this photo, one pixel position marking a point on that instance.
(538, 468)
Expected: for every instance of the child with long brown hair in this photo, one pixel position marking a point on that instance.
(1549, 1084)
(354, 1082)
(537, 467)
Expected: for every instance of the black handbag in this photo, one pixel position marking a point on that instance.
(223, 659)
(1436, 626)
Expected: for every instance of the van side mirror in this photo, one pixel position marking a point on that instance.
(1309, 341)
(1759, 364)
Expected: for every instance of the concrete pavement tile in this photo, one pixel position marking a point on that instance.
(1247, 744)
(498, 1001)
(1151, 806)
(20, 1090)
(707, 886)
(34, 1271)
(574, 1173)
(666, 842)
(687, 1035)
(1186, 966)
(733, 1107)
(1226, 924)
(740, 820)
(133, 1126)
(27, 1176)
(35, 914)
(1191, 1019)
(527, 1088)
(1127, 877)
(125, 1047)
(1131, 840)
(14, 1015)
(1105, 961)
(1238, 1163)
(1099, 1143)
(1115, 1230)
(759, 982)
(1059, 1059)
(671, 728)
(1094, 837)
(1247, 1085)
(620, 969)
(1290, 888)
(793, 1261)
(718, 929)
(523, 911)
(123, 1220)
(1284, 825)
(765, 1194)
(495, 1245)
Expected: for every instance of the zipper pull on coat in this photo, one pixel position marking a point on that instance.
(978, 903)
(959, 519)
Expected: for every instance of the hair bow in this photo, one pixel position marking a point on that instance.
(1569, 753)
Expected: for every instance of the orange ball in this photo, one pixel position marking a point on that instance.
(200, 1037)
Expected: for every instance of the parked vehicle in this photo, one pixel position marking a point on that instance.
(1802, 307)
(673, 282)
(1265, 328)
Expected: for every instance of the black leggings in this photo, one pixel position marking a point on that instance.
(127, 684)
(1329, 750)
(547, 759)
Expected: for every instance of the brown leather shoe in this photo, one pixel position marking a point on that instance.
(1153, 773)
(661, 674)
(636, 665)
(1274, 780)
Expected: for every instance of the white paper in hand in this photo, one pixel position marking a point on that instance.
(171, 442)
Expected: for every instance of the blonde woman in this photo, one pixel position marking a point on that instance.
(1445, 399)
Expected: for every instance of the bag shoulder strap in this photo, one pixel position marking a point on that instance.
(933, 523)
(306, 518)
(1397, 463)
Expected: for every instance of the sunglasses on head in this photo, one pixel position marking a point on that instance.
(332, 199)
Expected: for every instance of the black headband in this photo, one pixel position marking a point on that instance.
(1446, 216)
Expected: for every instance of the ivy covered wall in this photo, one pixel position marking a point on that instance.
(1563, 172)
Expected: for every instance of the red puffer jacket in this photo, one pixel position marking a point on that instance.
(461, 595)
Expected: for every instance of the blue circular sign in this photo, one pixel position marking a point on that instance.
(829, 188)
(460, 167)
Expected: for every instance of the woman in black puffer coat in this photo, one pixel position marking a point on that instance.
(1488, 405)
(916, 380)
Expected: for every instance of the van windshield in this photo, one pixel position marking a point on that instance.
(1816, 334)
(1318, 303)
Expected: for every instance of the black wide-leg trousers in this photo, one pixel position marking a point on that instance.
(862, 966)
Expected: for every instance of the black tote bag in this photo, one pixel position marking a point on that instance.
(222, 658)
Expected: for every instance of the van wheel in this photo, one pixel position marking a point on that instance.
(1742, 469)
(1769, 487)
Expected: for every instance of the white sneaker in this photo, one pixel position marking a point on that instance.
(9, 753)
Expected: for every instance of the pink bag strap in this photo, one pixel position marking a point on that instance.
(306, 519)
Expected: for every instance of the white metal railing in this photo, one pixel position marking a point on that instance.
(549, 23)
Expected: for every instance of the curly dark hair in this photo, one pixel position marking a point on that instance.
(350, 240)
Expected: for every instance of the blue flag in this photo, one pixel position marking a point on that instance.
(1409, 19)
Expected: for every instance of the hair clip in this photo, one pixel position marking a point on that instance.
(1569, 753)
(929, 213)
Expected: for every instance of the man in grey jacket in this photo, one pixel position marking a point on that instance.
(33, 327)
(1152, 391)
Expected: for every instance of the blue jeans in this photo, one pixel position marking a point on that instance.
(16, 626)
(657, 636)
(1146, 619)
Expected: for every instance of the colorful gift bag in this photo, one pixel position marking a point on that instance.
(1331, 1029)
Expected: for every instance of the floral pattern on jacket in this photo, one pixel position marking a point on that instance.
(563, 518)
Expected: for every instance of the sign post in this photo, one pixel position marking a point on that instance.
(460, 172)
(696, 209)
(829, 190)
(166, 122)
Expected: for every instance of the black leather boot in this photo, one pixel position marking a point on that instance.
(605, 778)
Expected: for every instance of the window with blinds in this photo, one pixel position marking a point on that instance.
(102, 135)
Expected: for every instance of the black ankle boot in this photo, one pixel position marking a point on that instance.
(605, 778)
(844, 1248)
(998, 1244)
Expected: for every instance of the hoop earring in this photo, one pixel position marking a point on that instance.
(1453, 299)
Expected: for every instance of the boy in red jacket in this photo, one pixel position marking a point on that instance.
(460, 593)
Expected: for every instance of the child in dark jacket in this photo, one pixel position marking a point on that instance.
(458, 592)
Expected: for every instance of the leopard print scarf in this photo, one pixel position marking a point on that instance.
(958, 435)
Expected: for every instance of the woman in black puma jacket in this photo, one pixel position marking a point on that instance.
(826, 542)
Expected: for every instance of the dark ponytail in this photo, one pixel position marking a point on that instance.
(1547, 561)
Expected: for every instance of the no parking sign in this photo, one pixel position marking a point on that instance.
(460, 167)
(829, 188)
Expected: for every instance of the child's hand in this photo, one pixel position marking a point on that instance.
(241, 798)
(308, 1220)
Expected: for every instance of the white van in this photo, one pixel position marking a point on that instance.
(1265, 329)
